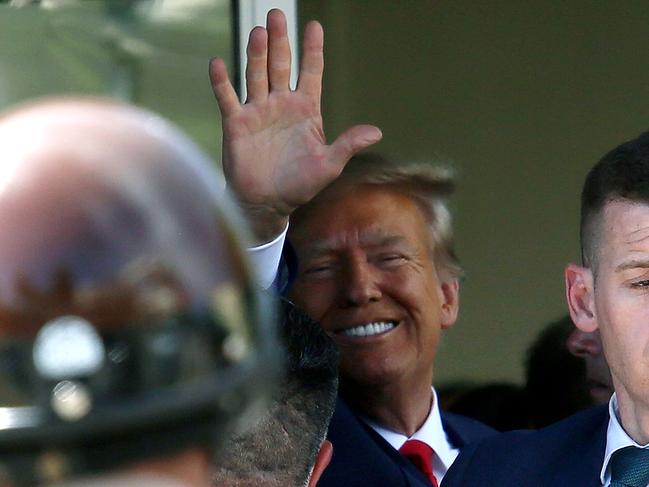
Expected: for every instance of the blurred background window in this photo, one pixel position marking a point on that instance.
(153, 53)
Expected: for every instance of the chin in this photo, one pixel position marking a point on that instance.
(371, 376)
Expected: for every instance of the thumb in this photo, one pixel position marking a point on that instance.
(351, 141)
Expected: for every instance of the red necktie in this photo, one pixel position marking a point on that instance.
(421, 455)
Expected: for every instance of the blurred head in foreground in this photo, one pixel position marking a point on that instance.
(286, 446)
(131, 335)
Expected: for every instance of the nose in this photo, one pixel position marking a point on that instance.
(362, 284)
(583, 344)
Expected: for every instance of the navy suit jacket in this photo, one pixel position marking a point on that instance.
(568, 453)
(362, 458)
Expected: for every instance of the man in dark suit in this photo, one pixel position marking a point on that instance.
(376, 266)
(609, 293)
(363, 457)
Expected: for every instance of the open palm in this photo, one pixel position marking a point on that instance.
(275, 155)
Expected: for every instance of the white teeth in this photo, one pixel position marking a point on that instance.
(369, 329)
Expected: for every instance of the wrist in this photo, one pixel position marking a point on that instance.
(266, 223)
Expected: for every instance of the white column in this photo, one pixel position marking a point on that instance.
(252, 13)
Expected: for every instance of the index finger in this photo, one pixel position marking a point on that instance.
(226, 97)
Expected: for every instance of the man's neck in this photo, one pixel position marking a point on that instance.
(396, 407)
(634, 417)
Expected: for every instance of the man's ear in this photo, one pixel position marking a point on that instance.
(321, 461)
(580, 295)
(450, 296)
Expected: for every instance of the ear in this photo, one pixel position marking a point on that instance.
(321, 461)
(580, 296)
(450, 302)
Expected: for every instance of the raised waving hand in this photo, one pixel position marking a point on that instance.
(275, 155)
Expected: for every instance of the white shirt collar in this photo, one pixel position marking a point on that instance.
(431, 432)
(616, 439)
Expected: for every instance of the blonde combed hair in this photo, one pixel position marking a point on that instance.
(428, 185)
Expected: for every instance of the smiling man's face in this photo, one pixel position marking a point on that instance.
(366, 273)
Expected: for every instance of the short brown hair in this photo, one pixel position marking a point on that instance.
(622, 174)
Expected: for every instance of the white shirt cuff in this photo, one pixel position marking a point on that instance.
(265, 259)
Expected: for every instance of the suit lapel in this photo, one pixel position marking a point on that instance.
(361, 457)
(413, 477)
(456, 436)
(461, 431)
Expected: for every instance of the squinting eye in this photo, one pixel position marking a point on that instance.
(641, 284)
(320, 270)
(390, 259)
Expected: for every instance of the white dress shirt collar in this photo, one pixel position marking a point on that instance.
(616, 439)
(431, 432)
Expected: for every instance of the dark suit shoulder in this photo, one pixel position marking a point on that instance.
(569, 452)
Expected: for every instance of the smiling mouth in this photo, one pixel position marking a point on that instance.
(370, 329)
